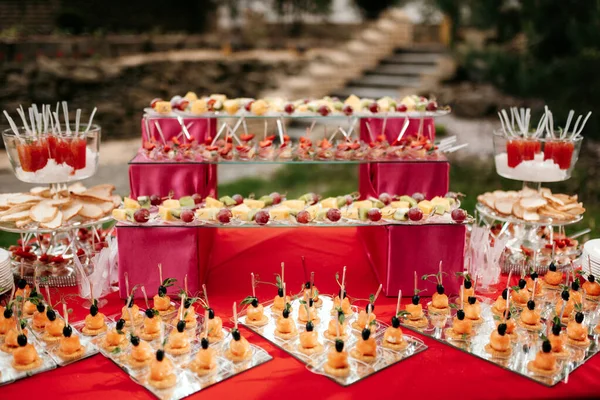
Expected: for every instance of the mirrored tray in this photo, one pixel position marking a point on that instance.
(489, 213)
(315, 362)
(8, 374)
(35, 229)
(525, 344)
(142, 159)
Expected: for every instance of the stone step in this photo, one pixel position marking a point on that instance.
(422, 48)
(402, 69)
(386, 81)
(413, 58)
(367, 92)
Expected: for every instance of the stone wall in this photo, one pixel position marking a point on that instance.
(122, 87)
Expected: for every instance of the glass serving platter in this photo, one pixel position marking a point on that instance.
(74, 224)
(434, 159)
(151, 114)
(358, 369)
(524, 347)
(9, 375)
(489, 213)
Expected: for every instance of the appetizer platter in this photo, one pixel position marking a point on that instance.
(327, 333)
(218, 105)
(277, 210)
(543, 328)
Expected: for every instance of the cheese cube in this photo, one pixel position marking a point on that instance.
(212, 202)
(171, 203)
(254, 203)
(387, 212)
(294, 204)
(350, 212)
(199, 106)
(425, 206)
(128, 202)
(330, 202)
(400, 204)
(280, 213)
(313, 210)
(207, 213)
(162, 107)
(165, 213)
(363, 204)
(241, 212)
(120, 214)
(190, 96)
(442, 202)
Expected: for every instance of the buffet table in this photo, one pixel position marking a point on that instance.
(439, 372)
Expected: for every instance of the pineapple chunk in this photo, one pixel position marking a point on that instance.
(240, 212)
(280, 213)
(322, 214)
(442, 202)
(190, 96)
(166, 213)
(171, 203)
(128, 202)
(120, 214)
(330, 202)
(363, 204)
(400, 204)
(207, 213)
(294, 204)
(199, 106)
(212, 202)
(387, 212)
(312, 211)
(350, 212)
(425, 206)
(254, 203)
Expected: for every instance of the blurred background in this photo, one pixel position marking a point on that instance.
(476, 56)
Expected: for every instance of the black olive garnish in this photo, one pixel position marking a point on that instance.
(310, 302)
(280, 292)
(534, 275)
(552, 267)
(93, 310)
(21, 283)
(502, 329)
(339, 345)
(395, 322)
(162, 291)
(365, 334)
(211, 313)
(369, 306)
(255, 302)
(149, 313)
(135, 340)
(41, 308)
(546, 346)
(415, 299)
(591, 278)
(340, 294)
(51, 314)
(531, 305)
(22, 340)
(285, 313)
(522, 283)
(307, 285)
(460, 314)
(505, 293)
(187, 303)
(130, 303)
(8, 313)
(556, 328)
(579, 317)
(160, 355)
(309, 326)
(575, 285)
(120, 324)
(565, 295)
(204, 343)
(67, 331)
(468, 284)
(180, 326)
(440, 289)
(472, 300)
(235, 333)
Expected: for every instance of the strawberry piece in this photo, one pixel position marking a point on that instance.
(246, 137)
(271, 137)
(149, 146)
(265, 143)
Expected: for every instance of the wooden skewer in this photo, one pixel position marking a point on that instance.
(131, 320)
(562, 311)
(253, 290)
(377, 294)
(462, 296)
(415, 274)
(235, 320)
(160, 274)
(284, 296)
(206, 323)
(127, 283)
(398, 303)
(143, 289)
(441, 275)
(337, 325)
(282, 273)
(181, 308)
(185, 285)
(66, 314)
(312, 284)
(368, 317)
(91, 291)
(533, 292)
(508, 281)
(206, 295)
(344, 276)
(507, 304)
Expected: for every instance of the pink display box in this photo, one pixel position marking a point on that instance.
(161, 177)
(396, 252)
(224, 257)
(428, 177)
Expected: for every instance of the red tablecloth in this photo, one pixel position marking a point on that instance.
(441, 372)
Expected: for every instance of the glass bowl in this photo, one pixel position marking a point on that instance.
(53, 158)
(535, 159)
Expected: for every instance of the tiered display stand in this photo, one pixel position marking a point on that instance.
(392, 251)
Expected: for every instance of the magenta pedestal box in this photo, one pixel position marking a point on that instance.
(396, 252)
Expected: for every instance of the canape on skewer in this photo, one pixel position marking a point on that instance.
(520, 295)
(366, 347)
(152, 324)
(553, 277)
(115, 337)
(189, 312)
(213, 322)
(367, 316)
(286, 327)
(178, 342)
(577, 331)
(162, 302)
(439, 301)
(205, 361)
(70, 347)
(140, 355)
(161, 375)
(239, 348)
(392, 337)
(462, 328)
(255, 313)
(337, 360)
(307, 311)
(281, 300)
(25, 357)
(544, 363)
(590, 286)
(341, 300)
(500, 343)
(499, 306)
(309, 341)
(309, 287)
(337, 326)
(414, 311)
(53, 331)
(530, 318)
(558, 339)
(533, 282)
(130, 309)
(95, 321)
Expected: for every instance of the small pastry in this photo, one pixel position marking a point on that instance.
(309, 341)
(337, 360)
(473, 310)
(130, 309)
(519, 295)
(205, 361)
(510, 326)
(239, 349)
(286, 327)
(337, 327)
(215, 325)
(25, 357)
(30, 305)
(280, 301)
(310, 289)
(439, 301)
(558, 339)
(94, 321)
(162, 302)
(366, 318)
(140, 354)
(574, 293)
(178, 342)
(366, 348)
(7, 322)
(499, 306)
(161, 375)
(53, 331)
(577, 332)
(591, 288)
(553, 278)
(467, 286)
(189, 315)
(70, 347)
(393, 338)
(414, 313)
(461, 329)
(255, 313)
(499, 345)
(10, 340)
(152, 324)
(530, 318)
(40, 319)
(565, 306)
(115, 337)
(341, 300)
(23, 289)
(544, 363)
